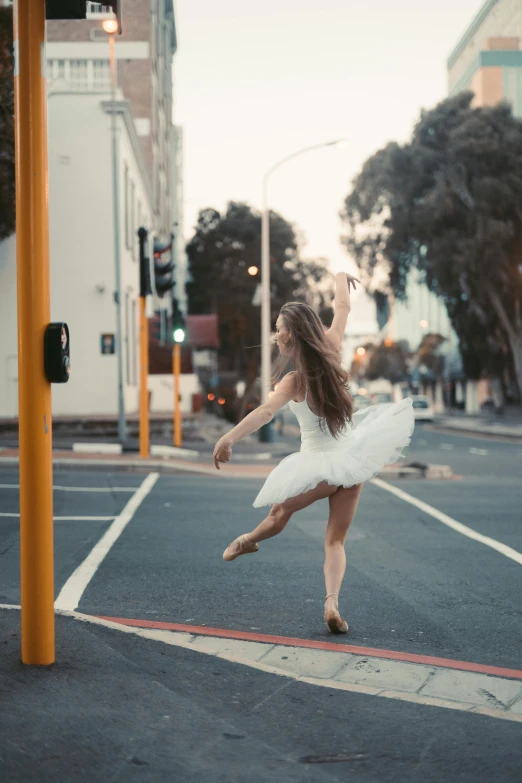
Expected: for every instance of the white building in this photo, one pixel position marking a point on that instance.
(82, 253)
(362, 327)
(81, 199)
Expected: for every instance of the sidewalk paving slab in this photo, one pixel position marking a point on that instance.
(480, 689)
(306, 663)
(392, 675)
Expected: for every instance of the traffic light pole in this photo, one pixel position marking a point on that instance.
(144, 374)
(33, 290)
(176, 369)
(122, 427)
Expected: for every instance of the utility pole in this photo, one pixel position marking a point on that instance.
(145, 290)
(178, 336)
(33, 290)
(111, 27)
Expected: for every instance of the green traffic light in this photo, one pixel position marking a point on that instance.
(179, 335)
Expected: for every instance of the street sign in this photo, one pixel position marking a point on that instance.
(108, 344)
(256, 299)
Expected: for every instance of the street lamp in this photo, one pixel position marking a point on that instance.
(361, 351)
(424, 324)
(266, 353)
(111, 28)
(253, 270)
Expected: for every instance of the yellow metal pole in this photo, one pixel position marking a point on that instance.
(176, 357)
(32, 259)
(144, 372)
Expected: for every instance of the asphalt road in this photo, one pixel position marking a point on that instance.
(412, 585)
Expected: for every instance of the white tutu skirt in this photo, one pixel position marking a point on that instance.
(376, 438)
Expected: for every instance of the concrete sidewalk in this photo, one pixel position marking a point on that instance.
(510, 427)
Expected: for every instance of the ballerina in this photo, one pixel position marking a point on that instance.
(340, 449)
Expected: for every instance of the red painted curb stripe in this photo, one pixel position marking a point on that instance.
(429, 660)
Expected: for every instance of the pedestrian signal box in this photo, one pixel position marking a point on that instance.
(57, 359)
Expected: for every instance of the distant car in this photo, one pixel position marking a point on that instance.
(381, 397)
(422, 408)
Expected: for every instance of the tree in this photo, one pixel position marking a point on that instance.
(388, 361)
(450, 204)
(7, 162)
(220, 253)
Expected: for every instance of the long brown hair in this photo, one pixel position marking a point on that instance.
(318, 367)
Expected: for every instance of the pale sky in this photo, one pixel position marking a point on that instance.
(256, 81)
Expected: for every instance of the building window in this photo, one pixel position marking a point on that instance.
(133, 219)
(126, 205)
(78, 72)
(127, 341)
(101, 73)
(134, 345)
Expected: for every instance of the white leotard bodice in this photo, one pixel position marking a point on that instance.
(312, 436)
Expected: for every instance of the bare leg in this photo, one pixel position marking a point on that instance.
(277, 520)
(280, 513)
(343, 505)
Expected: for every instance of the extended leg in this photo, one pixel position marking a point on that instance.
(277, 520)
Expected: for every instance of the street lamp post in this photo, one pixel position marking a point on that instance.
(111, 28)
(266, 352)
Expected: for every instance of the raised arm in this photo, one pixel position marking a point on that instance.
(285, 391)
(342, 308)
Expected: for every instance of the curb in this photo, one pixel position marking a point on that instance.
(167, 464)
(493, 431)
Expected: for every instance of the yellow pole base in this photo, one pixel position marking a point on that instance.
(176, 356)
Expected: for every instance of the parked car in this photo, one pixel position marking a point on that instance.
(381, 397)
(422, 408)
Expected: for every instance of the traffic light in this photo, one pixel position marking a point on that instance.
(163, 271)
(145, 286)
(178, 323)
(78, 9)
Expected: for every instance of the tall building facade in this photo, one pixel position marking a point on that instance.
(488, 58)
(78, 55)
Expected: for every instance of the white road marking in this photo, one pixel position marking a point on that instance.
(505, 550)
(67, 519)
(480, 452)
(60, 488)
(72, 591)
(447, 446)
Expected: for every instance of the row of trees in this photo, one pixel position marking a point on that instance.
(449, 203)
(396, 362)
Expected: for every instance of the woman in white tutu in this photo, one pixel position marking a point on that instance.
(340, 449)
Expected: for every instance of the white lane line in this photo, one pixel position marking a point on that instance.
(505, 550)
(78, 489)
(480, 452)
(72, 591)
(66, 519)
(447, 446)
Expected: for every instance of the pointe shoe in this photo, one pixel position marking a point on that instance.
(240, 546)
(333, 619)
